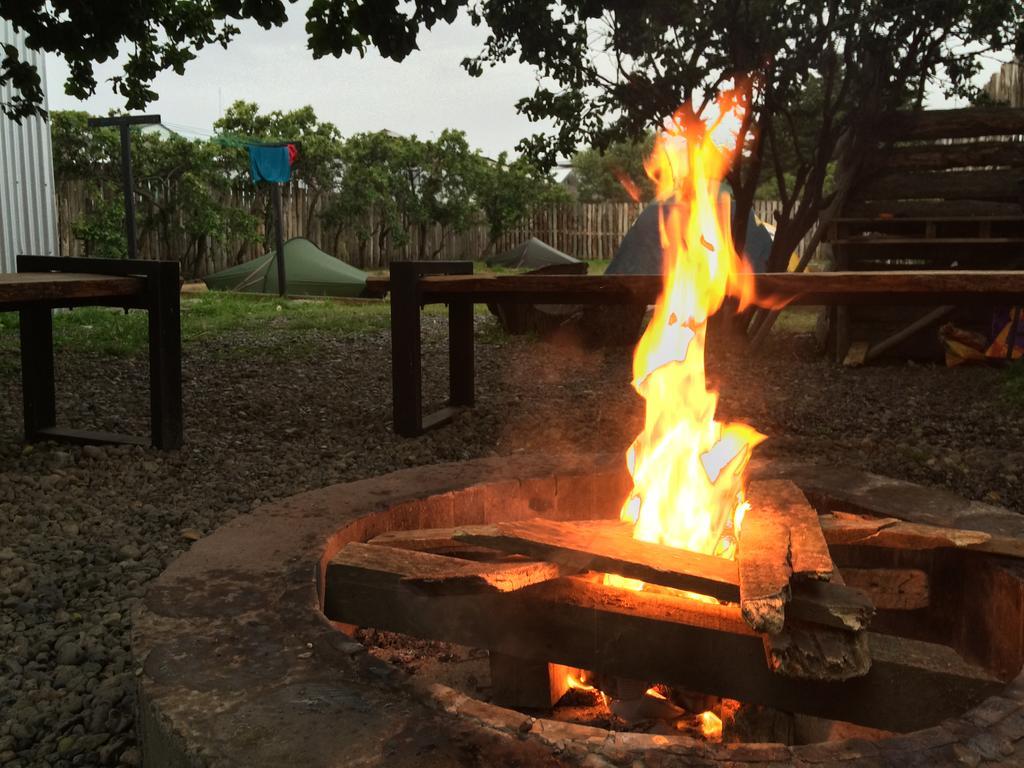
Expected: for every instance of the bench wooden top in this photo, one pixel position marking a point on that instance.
(25, 289)
(811, 288)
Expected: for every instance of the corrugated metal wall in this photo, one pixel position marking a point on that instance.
(28, 212)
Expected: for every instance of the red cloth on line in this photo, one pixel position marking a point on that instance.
(293, 154)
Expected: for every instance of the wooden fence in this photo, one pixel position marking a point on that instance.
(588, 231)
(1007, 85)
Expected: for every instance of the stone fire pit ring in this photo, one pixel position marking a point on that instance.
(240, 667)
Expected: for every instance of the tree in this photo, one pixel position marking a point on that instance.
(615, 173)
(184, 185)
(606, 70)
(508, 191)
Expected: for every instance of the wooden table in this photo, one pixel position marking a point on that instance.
(43, 283)
(413, 284)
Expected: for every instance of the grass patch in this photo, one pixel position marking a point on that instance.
(1013, 385)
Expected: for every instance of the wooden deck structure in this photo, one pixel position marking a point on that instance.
(43, 283)
(414, 284)
(940, 190)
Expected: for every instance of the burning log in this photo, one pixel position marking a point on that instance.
(647, 635)
(610, 549)
(434, 574)
(764, 569)
(809, 556)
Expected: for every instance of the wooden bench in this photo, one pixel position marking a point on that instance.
(415, 284)
(43, 283)
(939, 189)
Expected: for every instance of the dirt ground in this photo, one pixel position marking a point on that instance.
(82, 531)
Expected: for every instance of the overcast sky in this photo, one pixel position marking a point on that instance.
(426, 93)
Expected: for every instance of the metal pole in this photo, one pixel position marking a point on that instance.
(129, 191)
(282, 285)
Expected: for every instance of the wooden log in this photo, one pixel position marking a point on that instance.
(892, 589)
(971, 122)
(809, 556)
(702, 647)
(438, 575)
(931, 318)
(610, 551)
(527, 683)
(762, 558)
(998, 185)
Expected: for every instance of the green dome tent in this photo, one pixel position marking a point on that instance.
(531, 254)
(308, 270)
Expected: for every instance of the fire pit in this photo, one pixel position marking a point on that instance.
(240, 664)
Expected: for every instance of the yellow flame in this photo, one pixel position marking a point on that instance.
(710, 725)
(687, 467)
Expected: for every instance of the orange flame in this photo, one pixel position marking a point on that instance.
(687, 467)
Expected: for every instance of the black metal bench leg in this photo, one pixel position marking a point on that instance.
(406, 376)
(166, 422)
(460, 353)
(38, 389)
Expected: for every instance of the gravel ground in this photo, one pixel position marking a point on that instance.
(83, 530)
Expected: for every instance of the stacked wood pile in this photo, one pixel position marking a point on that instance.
(780, 625)
(940, 190)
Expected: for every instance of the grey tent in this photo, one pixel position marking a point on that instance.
(308, 272)
(531, 254)
(639, 253)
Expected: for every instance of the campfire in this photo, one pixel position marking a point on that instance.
(690, 602)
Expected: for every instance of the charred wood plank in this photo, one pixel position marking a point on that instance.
(809, 556)
(762, 558)
(892, 589)
(812, 652)
(596, 548)
(930, 209)
(438, 575)
(704, 647)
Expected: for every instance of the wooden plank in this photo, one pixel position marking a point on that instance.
(909, 209)
(998, 185)
(439, 575)
(971, 122)
(25, 289)
(807, 288)
(704, 647)
(762, 558)
(923, 157)
(809, 555)
(606, 546)
(856, 354)
(598, 549)
(845, 528)
(892, 589)
(923, 322)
